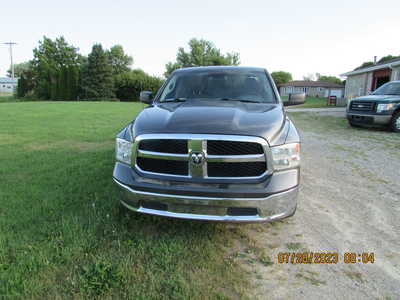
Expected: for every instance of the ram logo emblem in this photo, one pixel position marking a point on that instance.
(197, 158)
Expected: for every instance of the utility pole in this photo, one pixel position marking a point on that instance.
(10, 44)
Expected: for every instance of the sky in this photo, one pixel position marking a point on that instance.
(301, 37)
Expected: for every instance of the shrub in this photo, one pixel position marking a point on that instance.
(128, 85)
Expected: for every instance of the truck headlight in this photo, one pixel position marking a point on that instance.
(286, 156)
(384, 107)
(123, 151)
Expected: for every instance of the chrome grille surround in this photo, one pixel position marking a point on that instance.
(197, 143)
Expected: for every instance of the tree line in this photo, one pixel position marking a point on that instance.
(382, 60)
(320, 77)
(59, 72)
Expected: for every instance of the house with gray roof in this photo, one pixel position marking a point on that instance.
(364, 80)
(7, 85)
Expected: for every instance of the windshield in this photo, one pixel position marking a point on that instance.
(219, 84)
(391, 88)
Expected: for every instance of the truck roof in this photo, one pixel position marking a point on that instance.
(241, 68)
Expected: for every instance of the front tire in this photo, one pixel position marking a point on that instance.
(353, 124)
(395, 123)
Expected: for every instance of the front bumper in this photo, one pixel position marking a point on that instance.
(272, 200)
(270, 208)
(369, 119)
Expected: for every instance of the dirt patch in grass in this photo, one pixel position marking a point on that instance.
(71, 145)
(6, 139)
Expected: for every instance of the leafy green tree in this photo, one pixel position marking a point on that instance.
(281, 77)
(49, 58)
(97, 76)
(201, 53)
(22, 86)
(319, 77)
(365, 64)
(73, 82)
(53, 85)
(371, 63)
(61, 88)
(26, 83)
(386, 58)
(332, 79)
(19, 69)
(120, 61)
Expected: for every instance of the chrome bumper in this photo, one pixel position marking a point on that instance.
(274, 207)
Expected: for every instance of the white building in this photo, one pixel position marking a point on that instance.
(312, 88)
(7, 85)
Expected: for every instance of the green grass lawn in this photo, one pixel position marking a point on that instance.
(62, 233)
(7, 98)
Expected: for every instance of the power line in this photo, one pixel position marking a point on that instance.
(11, 44)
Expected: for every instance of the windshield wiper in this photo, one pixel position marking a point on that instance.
(174, 100)
(240, 100)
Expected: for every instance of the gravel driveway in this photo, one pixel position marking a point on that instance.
(349, 202)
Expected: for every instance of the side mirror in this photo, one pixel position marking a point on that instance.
(146, 97)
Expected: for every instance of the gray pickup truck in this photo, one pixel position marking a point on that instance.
(214, 144)
(380, 108)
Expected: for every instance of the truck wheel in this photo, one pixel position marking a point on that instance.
(353, 124)
(395, 123)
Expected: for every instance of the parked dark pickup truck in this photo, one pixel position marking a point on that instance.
(214, 144)
(381, 108)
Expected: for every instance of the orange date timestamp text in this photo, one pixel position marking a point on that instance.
(325, 257)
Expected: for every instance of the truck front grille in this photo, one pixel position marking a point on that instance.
(163, 166)
(364, 106)
(233, 148)
(201, 156)
(167, 146)
(241, 169)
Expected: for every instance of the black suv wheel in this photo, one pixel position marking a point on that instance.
(395, 123)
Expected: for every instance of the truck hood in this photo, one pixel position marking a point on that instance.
(212, 117)
(379, 98)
